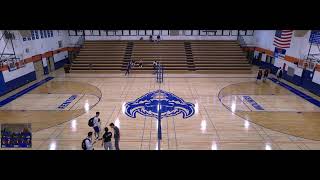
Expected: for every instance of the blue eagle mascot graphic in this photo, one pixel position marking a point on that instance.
(159, 104)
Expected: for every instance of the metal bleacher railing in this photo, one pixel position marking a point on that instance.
(73, 54)
(78, 45)
(244, 45)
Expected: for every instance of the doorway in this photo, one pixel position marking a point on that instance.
(38, 66)
(50, 63)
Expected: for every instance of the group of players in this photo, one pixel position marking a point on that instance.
(264, 74)
(10, 139)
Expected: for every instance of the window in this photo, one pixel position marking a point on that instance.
(126, 32)
(226, 32)
(219, 33)
(142, 32)
(95, 32)
(234, 32)
(149, 32)
(71, 33)
(250, 32)
(51, 31)
(187, 32)
(103, 32)
(111, 33)
(133, 32)
(195, 32)
(212, 33)
(203, 32)
(78, 32)
(119, 32)
(165, 32)
(242, 32)
(156, 32)
(88, 32)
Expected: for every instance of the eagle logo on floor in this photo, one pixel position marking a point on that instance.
(159, 103)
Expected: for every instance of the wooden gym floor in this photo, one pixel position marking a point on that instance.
(223, 118)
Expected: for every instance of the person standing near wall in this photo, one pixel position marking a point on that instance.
(279, 74)
(259, 76)
(265, 75)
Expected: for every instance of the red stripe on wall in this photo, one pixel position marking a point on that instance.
(4, 68)
(47, 54)
(39, 57)
(318, 67)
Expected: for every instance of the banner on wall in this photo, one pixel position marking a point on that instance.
(14, 64)
(315, 37)
(279, 53)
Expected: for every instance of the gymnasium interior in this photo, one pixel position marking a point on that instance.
(203, 94)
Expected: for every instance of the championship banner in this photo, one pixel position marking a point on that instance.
(15, 64)
(314, 37)
(279, 53)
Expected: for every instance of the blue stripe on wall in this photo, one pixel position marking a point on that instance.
(305, 81)
(60, 63)
(297, 92)
(21, 93)
(45, 70)
(2, 84)
(18, 82)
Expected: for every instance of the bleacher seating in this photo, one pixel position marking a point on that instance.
(171, 54)
(219, 56)
(101, 56)
(204, 56)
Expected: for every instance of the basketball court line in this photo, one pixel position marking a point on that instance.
(297, 92)
(67, 102)
(114, 77)
(76, 102)
(24, 91)
(253, 103)
(244, 103)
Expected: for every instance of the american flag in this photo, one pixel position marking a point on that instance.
(282, 38)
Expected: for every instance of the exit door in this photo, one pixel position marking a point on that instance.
(38, 66)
